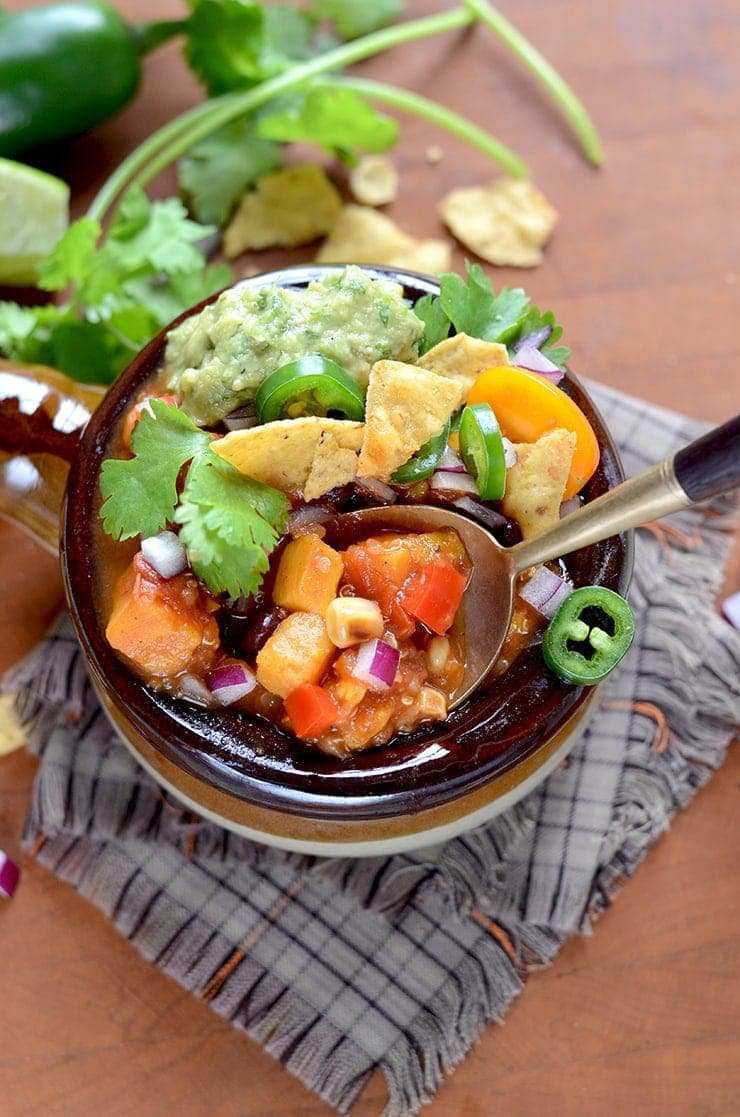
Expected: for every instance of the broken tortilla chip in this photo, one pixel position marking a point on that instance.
(405, 407)
(282, 454)
(332, 465)
(374, 181)
(536, 483)
(464, 358)
(506, 222)
(363, 236)
(288, 207)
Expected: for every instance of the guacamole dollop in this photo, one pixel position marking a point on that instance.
(216, 360)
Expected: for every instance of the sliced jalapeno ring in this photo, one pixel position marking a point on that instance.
(482, 450)
(589, 634)
(424, 461)
(311, 385)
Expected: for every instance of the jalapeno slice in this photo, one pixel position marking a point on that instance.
(589, 634)
(424, 461)
(311, 385)
(482, 450)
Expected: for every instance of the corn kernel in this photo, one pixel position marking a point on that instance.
(350, 620)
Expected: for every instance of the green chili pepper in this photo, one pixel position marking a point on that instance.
(482, 450)
(66, 67)
(424, 461)
(311, 385)
(589, 634)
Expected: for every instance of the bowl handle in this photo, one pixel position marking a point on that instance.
(42, 415)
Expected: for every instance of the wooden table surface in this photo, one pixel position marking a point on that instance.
(642, 1017)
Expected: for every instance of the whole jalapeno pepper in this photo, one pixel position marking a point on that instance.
(311, 385)
(66, 67)
(589, 634)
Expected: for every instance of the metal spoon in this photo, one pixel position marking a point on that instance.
(706, 467)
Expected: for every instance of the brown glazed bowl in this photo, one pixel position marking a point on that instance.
(248, 775)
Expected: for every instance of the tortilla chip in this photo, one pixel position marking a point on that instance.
(12, 733)
(405, 407)
(374, 181)
(464, 358)
(332, 465)
(536, 483)
(282, 453)
(506, 222)
(288, 207)
(361, 235)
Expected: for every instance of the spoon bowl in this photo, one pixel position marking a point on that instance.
(706, 467)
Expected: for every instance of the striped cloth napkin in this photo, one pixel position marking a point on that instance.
(339, 967)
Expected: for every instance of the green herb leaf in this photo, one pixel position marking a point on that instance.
(230, 524)
(217, 171)
(72, 258)
(535, 319)
(335, 119)
(353, 18)
(436, 322)
(140, 493)
(225, 44)
(474, 309)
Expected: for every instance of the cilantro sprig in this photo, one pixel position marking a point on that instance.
(229, 523)
(471, 306)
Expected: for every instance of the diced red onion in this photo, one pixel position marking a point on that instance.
(530, 358)
(9, 876)
(242, 418)
(569, 506)
(509, 453)
(304, 519)
(165, 553)
(731, 609)
(453, 482)
(451, 462)
(536, 338)
(383, 493)
(376, 664)
(489, 517)
(545, 591)
(231, 682)
(194, 690)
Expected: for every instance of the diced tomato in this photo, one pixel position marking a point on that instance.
(377, 569)
(433, 595)
(310, 710)
(134, 414)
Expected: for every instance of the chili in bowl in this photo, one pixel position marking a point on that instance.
(279, 671)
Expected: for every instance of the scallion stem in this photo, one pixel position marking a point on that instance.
(563, 96)
(174, 139)
(444, 118)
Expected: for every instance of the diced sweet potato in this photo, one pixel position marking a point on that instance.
(158, 629)
(299, 651)
(308, 575)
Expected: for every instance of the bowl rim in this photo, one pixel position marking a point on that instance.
(426, 768)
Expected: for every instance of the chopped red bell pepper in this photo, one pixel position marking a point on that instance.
(434, 594)
(311, 710)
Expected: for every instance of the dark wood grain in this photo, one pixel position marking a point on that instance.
(642, 1017)
(711, 464)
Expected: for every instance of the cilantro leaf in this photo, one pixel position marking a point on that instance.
(353, 18)
(225, 44)
(474, 309)
(335, 119)
(230, 524)
(535, 319)
(216, 172)
(72, 257)
(436, 322)
(164, 241)
(140, 493)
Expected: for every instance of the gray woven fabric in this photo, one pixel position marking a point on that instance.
(338, 966)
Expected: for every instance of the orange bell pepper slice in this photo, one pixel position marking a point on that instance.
(527, 406)
(311, 711)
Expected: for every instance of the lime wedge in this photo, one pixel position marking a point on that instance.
(34, 212)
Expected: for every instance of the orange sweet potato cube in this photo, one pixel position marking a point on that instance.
(299, 651)
(308, 575)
